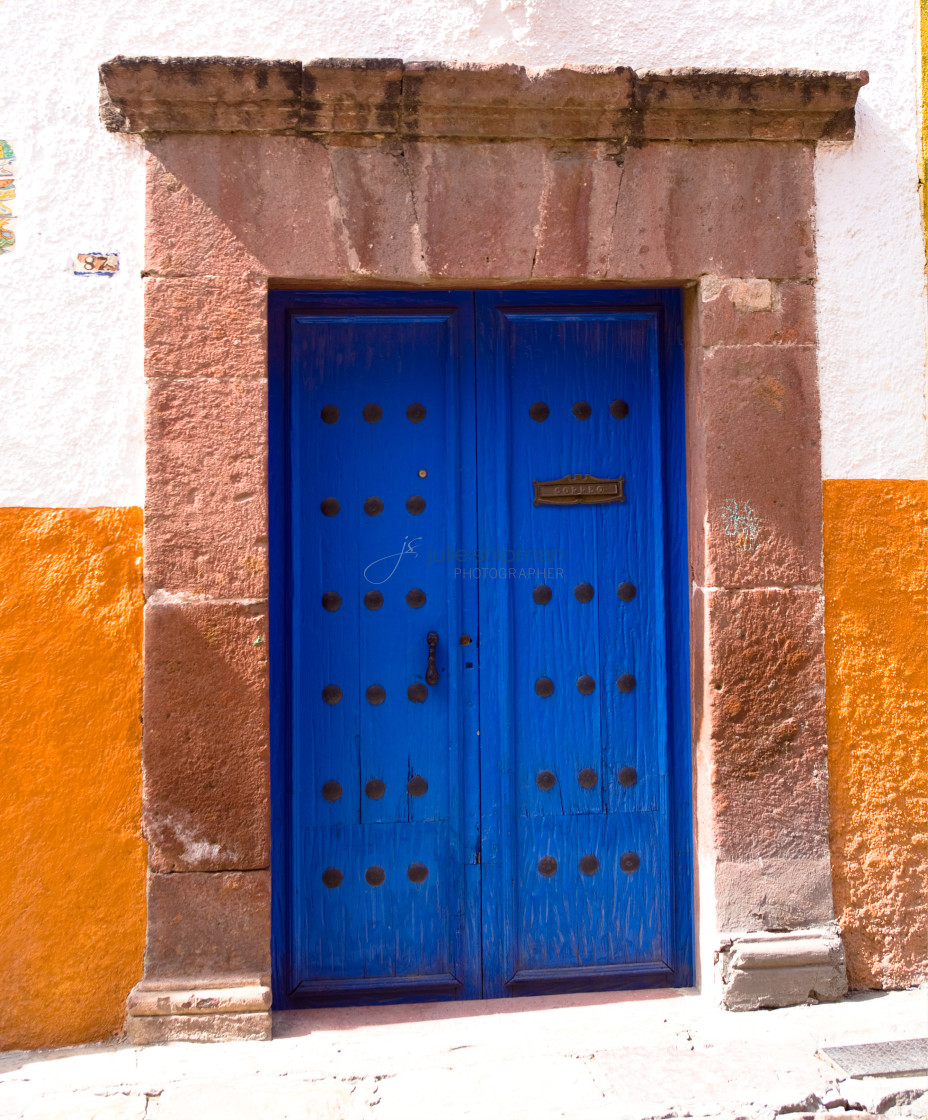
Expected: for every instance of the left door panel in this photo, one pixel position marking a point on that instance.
(380, 836)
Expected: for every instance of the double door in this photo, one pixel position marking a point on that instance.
(479, 649)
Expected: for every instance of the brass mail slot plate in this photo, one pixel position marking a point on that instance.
(579, 490)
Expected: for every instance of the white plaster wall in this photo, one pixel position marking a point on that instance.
(71, 376)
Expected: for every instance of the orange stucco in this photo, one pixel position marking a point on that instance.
(72, 873)
(876, 576)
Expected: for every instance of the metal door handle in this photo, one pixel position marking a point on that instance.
(431, 673)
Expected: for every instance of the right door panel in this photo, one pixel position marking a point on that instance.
(578, 853)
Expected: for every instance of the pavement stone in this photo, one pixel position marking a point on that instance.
(86, 1106)
(603, 1056)
(252, 1098)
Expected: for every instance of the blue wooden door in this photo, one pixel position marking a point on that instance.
(579, 860)
(479, 668)
(382, 831)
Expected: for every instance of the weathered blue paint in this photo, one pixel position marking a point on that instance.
(485, 920)
(578, 353)
(379, 390)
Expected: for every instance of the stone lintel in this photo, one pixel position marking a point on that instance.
(781, 969)
(146, 95)
(474, 101)
(694, 104)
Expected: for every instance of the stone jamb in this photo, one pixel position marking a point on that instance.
(384, 174)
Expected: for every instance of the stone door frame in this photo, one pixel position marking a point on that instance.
(378, 173)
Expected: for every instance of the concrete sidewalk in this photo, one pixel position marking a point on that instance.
(625, 1056)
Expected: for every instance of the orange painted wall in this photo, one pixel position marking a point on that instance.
(876, 647)
(72, 861)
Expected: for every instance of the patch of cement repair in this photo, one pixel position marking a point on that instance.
(621, 1056)
(879, 1059)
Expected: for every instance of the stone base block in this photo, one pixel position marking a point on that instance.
(766, 970)
(161, 1013)
(145, 1030)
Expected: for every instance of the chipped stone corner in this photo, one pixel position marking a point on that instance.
(171, 1012)
(746, 293)
(781, 969)
(754, 295)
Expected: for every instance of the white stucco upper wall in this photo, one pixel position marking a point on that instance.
(71, 389)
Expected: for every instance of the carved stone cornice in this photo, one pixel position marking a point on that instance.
(468, 101)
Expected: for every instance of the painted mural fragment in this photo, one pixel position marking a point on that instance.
(96, 264)
(7, 195)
